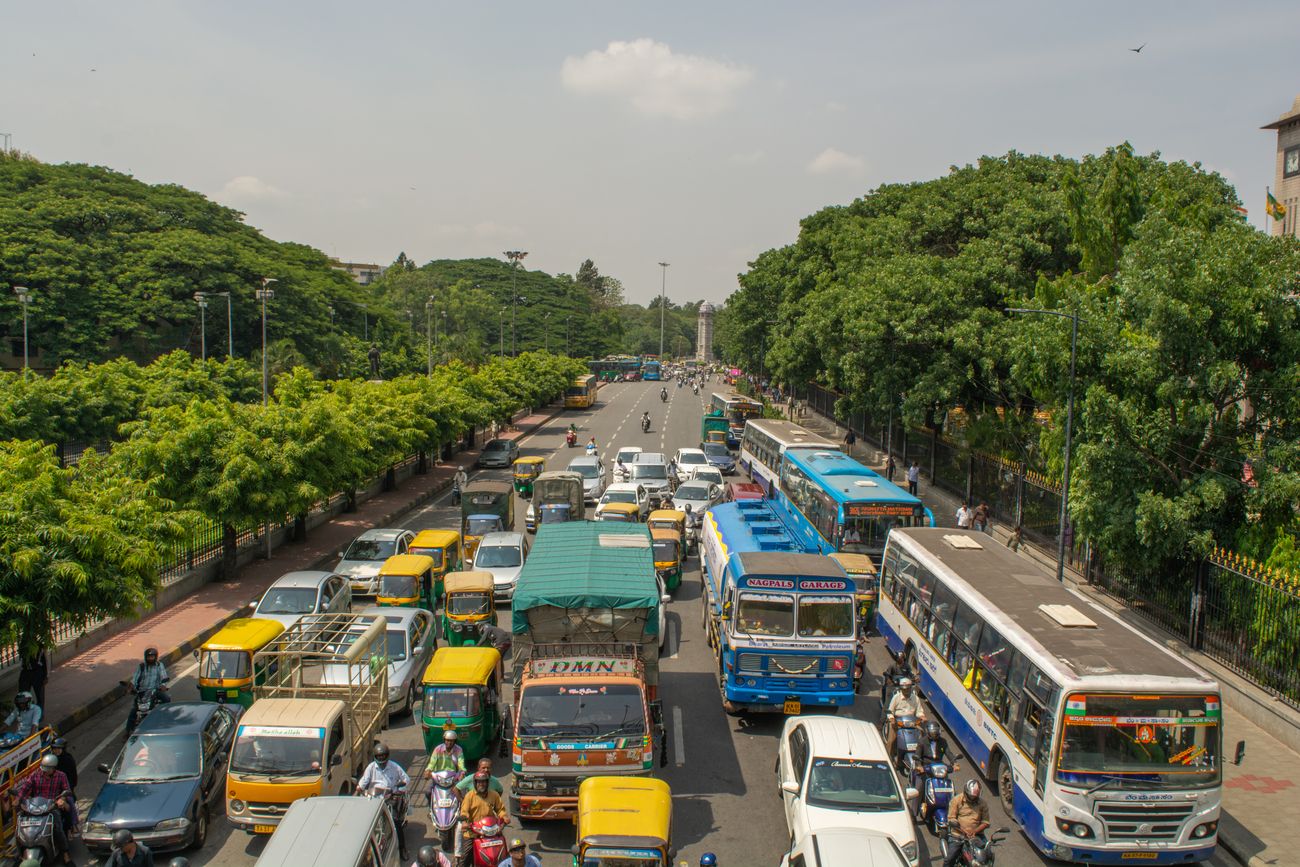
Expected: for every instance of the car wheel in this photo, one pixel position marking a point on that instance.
(200, 829)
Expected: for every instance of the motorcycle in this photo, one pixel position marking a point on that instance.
(696, 390)
(907, 744)
(978, 851)
(645, 424)
(444, 809)
(144, 701)
(663, 395)
(489, 845)
(35, 832)
(571, 439)
(859, 661)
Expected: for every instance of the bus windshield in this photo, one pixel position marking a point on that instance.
(826, 616)
(867, 535)
(766, 614)
(1133, 741)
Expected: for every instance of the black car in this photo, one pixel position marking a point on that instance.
(168, 780)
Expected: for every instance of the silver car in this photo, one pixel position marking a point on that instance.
(361, 561)
(299, 593)
(593, 476)
(698, 494)
(410, 643)
(502, 554)
(650, 471)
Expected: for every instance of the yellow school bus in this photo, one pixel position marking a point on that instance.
(582, 393)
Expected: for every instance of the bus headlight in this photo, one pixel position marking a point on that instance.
(1200, 832)
(1080, 830)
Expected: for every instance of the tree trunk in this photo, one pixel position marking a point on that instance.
(300, 528)
(351, 496)
(229, 552)
(390, 478)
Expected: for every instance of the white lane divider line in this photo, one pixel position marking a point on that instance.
(679, 742)
(668, 639)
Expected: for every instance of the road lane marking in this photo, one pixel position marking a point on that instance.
(679, 743)
(669, 641)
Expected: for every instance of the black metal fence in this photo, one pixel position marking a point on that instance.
(1234, 610)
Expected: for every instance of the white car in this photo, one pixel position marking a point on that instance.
(409, 643)
(687, 460)
(626, 455)
(698, 494)
(593, 476)
(845, 847)
(832, 772)
(626, 492)
(361, 561)
(712, 475)
(503, 555)
(296, 594)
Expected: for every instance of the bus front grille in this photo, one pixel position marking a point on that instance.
(1141, 821)
(782, 665)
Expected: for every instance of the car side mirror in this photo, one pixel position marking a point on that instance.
(910, 793)
(790, 787)
(1240, 753)
(102, 768)
(196, 653)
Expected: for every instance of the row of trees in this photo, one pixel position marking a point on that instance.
(85, 542)
(1188, 348)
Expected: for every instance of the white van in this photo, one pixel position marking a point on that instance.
(333, 831)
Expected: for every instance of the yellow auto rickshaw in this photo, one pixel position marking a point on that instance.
(866, 582)
(525, 471)
(444, 547)
(406, 581)
(226, 672)
(626, 513)
(622, 820)
(468, 604)
(670, 519)
(668, 550)
(463, 684)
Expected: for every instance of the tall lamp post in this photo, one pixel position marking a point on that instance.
(1069, 424)
(24, 298)
(663, 285)
(202, 301)
(428, 332)
(516, 257)
(501, 322)
(546, 325)
(264, 295)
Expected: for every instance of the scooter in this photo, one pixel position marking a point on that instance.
(936, 793)
(859, 661)
(571, 439)
(444, 809)
(145, 701)
(489, 845)
(35, 833)
(591, 450)
(907, 743)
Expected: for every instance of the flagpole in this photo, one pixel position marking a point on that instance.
(1268, 211)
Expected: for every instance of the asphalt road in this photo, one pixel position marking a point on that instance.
(720, 768)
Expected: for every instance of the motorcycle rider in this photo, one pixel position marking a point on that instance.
(383, 774)
(663, 395)
(49, 782)
(934, 737)
(494, 636)
(458, 484)
(520, 856)
(25, 717)
(898, 669)
(968, 817)
(708, 859)
(905, 702)
(479, 803)
(149, 674)
(448, 755)
(179, 861)
(67, 763)
(431, 856)
(645, 421)
(592, 448)
(127, 852)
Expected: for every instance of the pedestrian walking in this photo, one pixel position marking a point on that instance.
(849, 439)
(34, 673)
(889, 467)
(982, 519)
(964, 515)
(1013, 541)
(913, 478)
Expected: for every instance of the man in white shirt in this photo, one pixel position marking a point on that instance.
(964, 517)
(904, 702)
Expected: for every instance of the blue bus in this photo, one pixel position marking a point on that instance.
(833, 503)
(650, 371)
(782, 622)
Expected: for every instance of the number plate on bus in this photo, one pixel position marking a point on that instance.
(263, 829)
(1139, 856)
(793, 706)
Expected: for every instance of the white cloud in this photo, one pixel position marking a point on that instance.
(247, 189)
(834, 160)
(655, 80)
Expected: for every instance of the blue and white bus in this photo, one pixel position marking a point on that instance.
(833, 503)
(764, 443)
(651, 371)
(782, 622)
(1104, 746)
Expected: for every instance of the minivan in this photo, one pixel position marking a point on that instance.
(333, 831)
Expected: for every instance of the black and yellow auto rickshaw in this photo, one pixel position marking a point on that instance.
(406, 581)
(444, 547)
(866, 582)
(668, 552)
(670, 519)
(485, 507)
(463, 684)
(622, 513)
(467, 605)
(525, 472)
(622, 821)
(226, 672)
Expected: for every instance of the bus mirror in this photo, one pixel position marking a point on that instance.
(1240, 753)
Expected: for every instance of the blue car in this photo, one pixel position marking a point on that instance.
(719, 456)
(168, 780)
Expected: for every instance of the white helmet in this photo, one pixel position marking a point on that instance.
(905, 683)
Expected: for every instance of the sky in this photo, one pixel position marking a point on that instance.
(688, 132)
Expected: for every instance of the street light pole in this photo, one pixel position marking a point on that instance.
(663, 285)
(265, 294)
(1069, 426)
(501, 321)
(428, 332)
(515, 257)
(203, 325)
(546, 325)
(24, 298)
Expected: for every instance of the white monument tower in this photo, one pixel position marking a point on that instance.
(704, 334)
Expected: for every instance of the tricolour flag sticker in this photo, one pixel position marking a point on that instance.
(1212, 707)
(1075, 707)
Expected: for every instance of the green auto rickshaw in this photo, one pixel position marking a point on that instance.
(467, 605)
(226, 671)
(444, 547)
(525, 472)
(406, 581)
(463, 685)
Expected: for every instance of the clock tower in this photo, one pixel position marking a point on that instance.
(1286, 175)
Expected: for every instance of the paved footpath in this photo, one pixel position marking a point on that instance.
(89, 681)
(1252, 827)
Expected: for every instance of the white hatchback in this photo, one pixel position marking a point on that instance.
(687, 460)
(832, 772)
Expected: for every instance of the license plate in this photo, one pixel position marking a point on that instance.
(792, 707)
(263, 829)
(445, 802)
(1138, 856)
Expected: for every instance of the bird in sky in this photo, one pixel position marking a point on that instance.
(1138, 50)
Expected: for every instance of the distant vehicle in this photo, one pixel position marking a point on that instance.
(167, 780)
(581, 394)
(719, 456)
(498, 453)
(297, 593)
(698, 494)
(651, 371)
(626, 492)
(737, 410)
(687, 460)
(503, 555)
(409, 645)
(832, 772)
(361, 561)
(765, 442)
(592, 471)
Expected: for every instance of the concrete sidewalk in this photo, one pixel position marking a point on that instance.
(1251, 829)
(88, 682)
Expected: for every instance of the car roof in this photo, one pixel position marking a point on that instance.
(585, 459)
(650, 458)
(506, 537)
(623, 486)
(325, 830)
(177, 718)
(634, 449)
(862, 847)
(302, 579)
(690, 451)
(497, 443)
(382, 534)
(840, 737)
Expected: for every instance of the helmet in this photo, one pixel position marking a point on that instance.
(482, 777)
(905, 683)
(151, 652)
(708, 859)
(972, 788)
(427, 856)
(516, 844)
(121, 837)
(60, 744)
(49, 762)
(381, 753)
(23, 699)
(932, 730)
(450, 736)
(901, 657)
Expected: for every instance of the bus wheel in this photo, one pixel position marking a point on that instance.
(1002, 774)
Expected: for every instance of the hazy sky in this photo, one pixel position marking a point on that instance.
(697, 133)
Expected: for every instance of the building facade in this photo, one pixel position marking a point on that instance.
(1286, 174)
(364, 273)
(704, 334)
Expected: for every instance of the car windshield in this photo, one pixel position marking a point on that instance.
(587, 471)
(620, 497)
(497, 555)
(497, 446)
(826, 616)
(444, 701)
(665, 550)
(219, 664)
(434, 554)
(765, 614)
(398, 586)
(483, 526)
(555, 513)
(692, 459)
(692, 491)
(394, 643)
(852, 784)
(147, 758)
(370, 549)
(710, 475)
(278, 750)
(467, 604)
(288, 600)
(715, 450)
(572, 710)
(649, 471)
(626, 455)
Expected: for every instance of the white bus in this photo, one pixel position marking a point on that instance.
(764, 442)
(1104, 746)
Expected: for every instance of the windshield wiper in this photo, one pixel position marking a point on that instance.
(1103, 784)
(634, 728)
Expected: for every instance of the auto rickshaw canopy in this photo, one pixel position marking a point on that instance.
(676, 517)
(531, 466)
(469, 582)
(662, 536)
(854, 564)
(629, 511)
(244, 633)
(462, 666)
(407, 564)
(436, 539)
(627, 811)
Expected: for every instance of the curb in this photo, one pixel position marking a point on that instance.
(83, 712)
